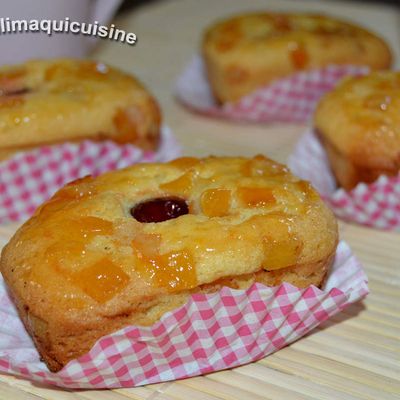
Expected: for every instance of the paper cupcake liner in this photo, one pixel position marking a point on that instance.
(29, 178)
(291, 99)
(375, 205)
(210, 332)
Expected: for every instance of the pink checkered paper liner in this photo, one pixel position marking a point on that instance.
(210, 332)
(29, 178)
(291, 99)
(375, 205)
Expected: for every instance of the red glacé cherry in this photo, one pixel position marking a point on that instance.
(160, 209)
(15, 92)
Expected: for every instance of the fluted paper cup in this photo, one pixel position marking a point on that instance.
(211, 332)
(291, 99)
(375, 205)
(32, 177)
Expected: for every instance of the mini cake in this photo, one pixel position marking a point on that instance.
(48, 102)
(359, 125)
(246, 52)
(126, 247)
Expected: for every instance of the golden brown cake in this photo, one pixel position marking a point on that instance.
(359, 125)
(246, 52)
(48, 102)
(130, 245)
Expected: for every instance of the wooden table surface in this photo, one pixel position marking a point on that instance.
(354, 355)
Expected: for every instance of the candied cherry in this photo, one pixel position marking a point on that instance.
(159, 209)
(15, 92)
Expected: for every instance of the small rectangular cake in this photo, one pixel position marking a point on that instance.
(359, 125)
(246, 52)
(128, 246)
(54, 101)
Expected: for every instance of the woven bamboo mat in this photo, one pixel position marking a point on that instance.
(354, 355)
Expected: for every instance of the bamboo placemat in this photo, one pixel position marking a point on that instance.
(354, 355)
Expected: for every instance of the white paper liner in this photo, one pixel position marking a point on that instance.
(375, 205)
(209, 333)
(291, 99)
(29, 178)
